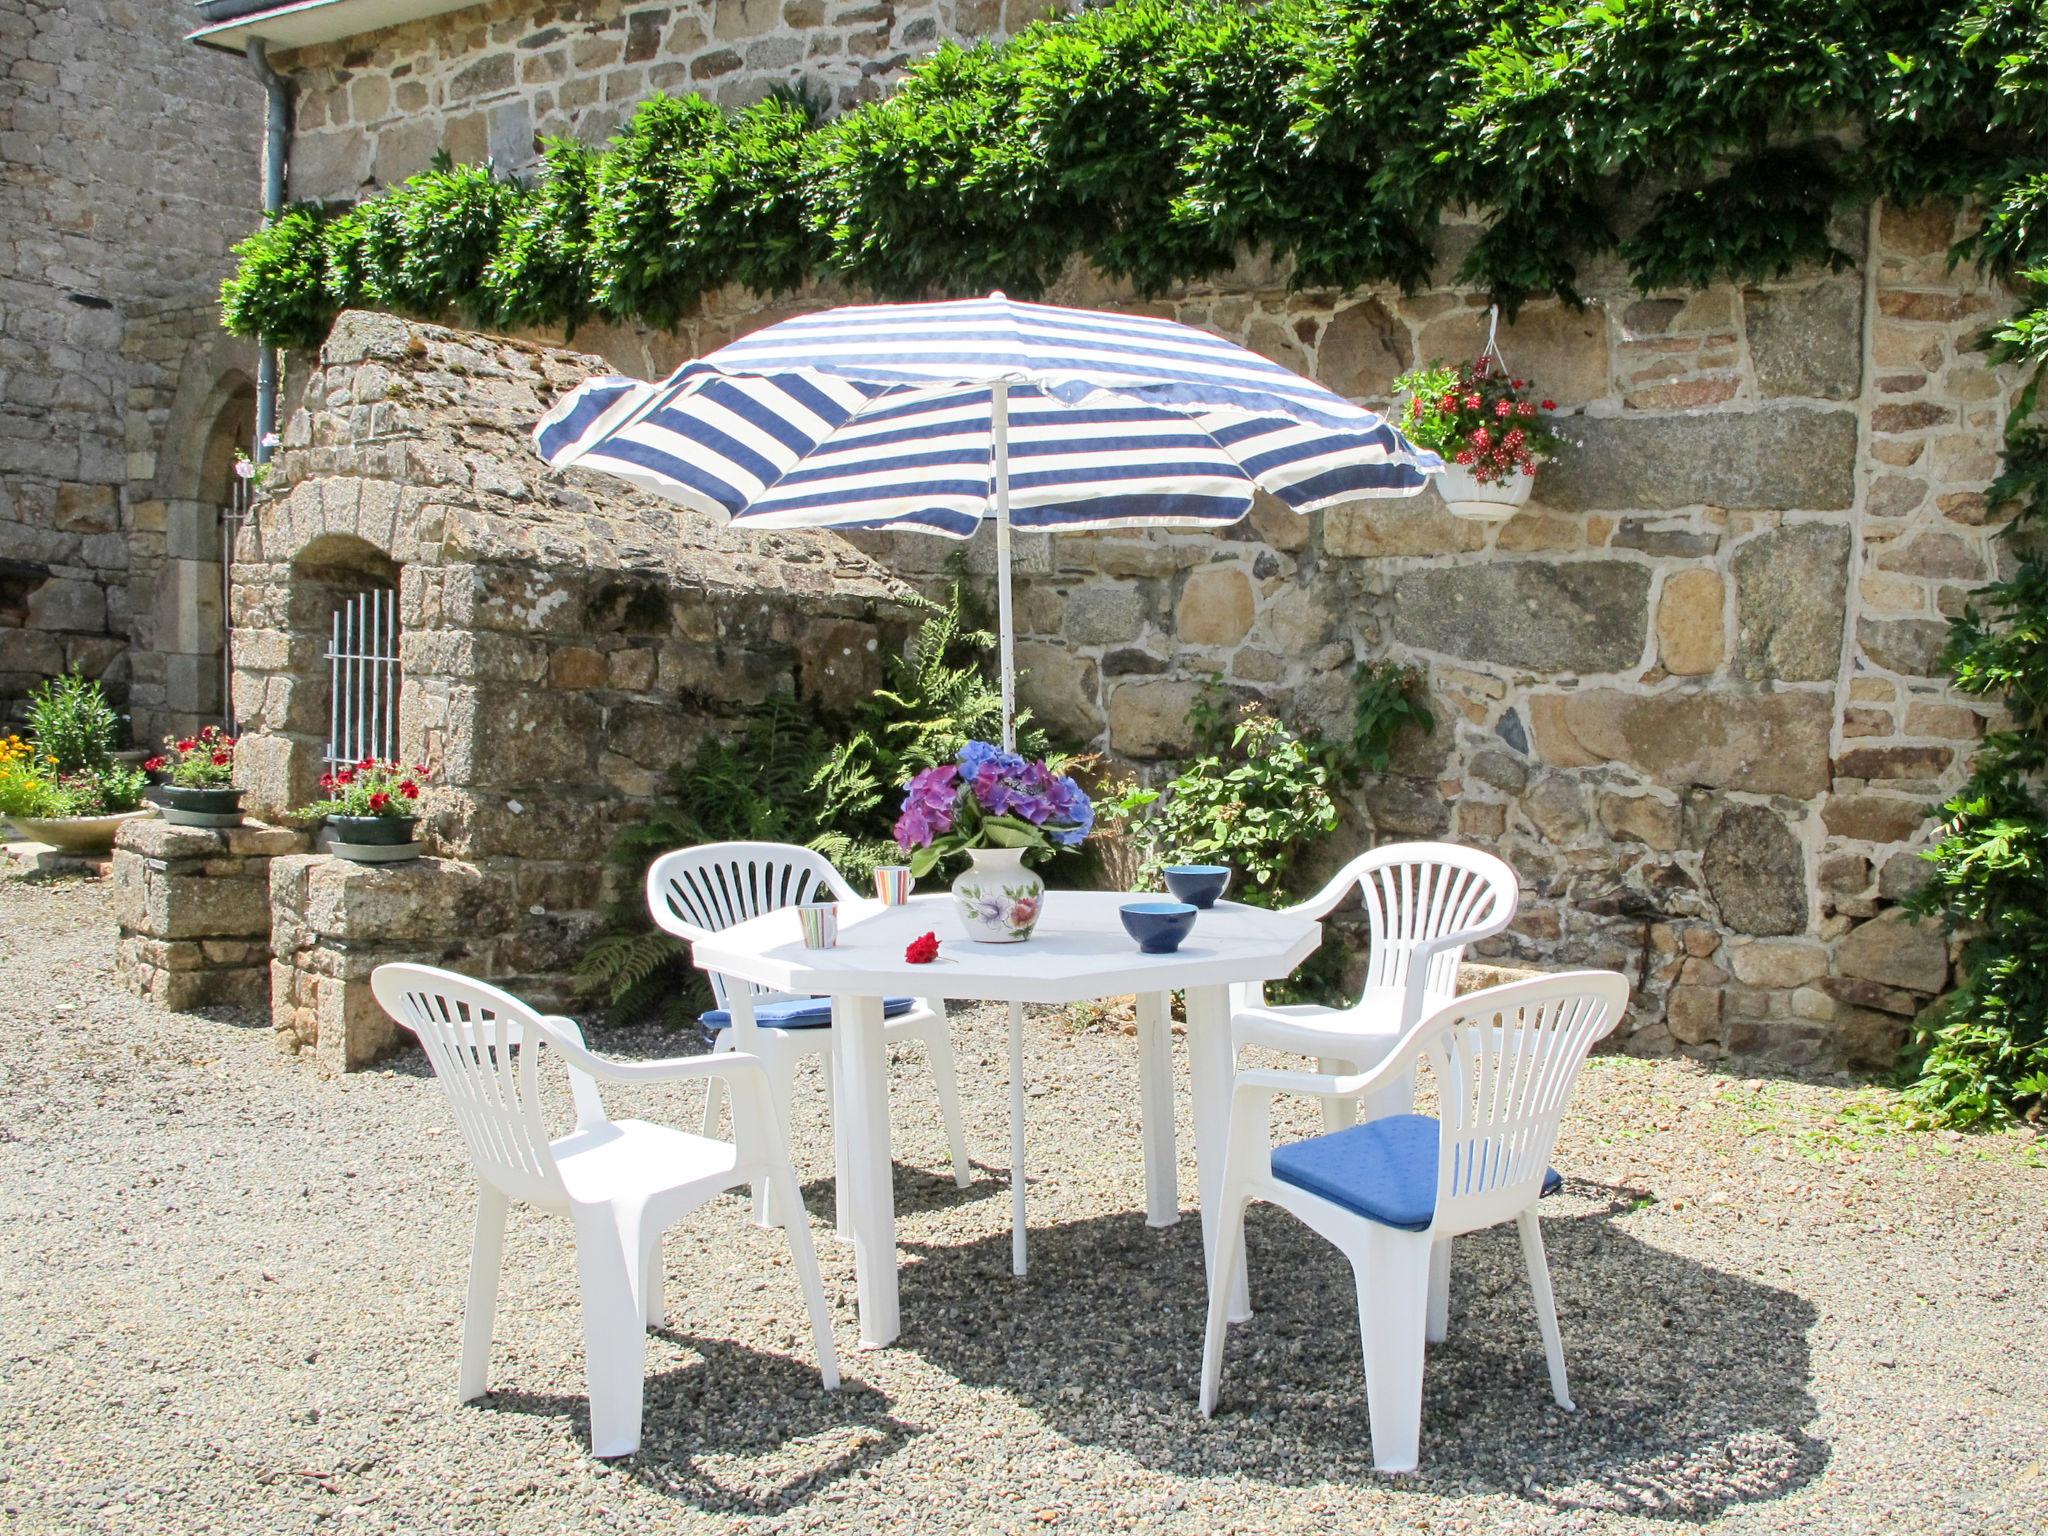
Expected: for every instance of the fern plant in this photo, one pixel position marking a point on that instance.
(788, 775)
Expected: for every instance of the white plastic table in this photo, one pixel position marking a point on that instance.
(1079, 951)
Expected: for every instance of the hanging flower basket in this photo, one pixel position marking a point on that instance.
(1491, 437)
(1466, 495)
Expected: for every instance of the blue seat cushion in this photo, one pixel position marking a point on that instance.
(800, 1012)
(1384, 1170)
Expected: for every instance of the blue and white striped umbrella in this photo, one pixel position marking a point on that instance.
(935, 416)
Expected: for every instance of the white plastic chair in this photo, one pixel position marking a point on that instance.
(1424, 903)
(1393, 1192)
(623, 1183)
(695, 892)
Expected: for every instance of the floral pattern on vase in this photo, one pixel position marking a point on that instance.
(998, 898)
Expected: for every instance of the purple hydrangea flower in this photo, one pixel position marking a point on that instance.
(928, 806)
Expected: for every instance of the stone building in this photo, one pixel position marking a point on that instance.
(130, 167)
(1693, 693)
(562, 641)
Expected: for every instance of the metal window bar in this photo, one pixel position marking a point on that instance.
(362, 659)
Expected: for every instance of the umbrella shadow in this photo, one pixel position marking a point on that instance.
(1692, 1383)
(716, 1430)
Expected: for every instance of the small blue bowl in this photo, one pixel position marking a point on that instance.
(1200, 885)
(1158, 926)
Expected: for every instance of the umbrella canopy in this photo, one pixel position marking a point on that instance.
(936, 416)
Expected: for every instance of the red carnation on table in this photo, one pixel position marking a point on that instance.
(922, 950)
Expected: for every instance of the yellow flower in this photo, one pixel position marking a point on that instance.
(12, 748)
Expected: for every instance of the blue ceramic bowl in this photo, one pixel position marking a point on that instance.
(1158, 926)
(1200, 885)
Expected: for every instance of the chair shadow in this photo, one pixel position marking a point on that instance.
(708, 1424)
(916, 1190)
(1692, 1383)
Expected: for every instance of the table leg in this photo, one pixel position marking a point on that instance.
(1017, 1238)
(861, 1061)
(1212, 1069)
(1155, 1108)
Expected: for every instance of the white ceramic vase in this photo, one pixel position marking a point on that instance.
(1464, 496)
(998, 898)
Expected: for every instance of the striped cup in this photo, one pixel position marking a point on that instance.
(820, 921)
(893, 883)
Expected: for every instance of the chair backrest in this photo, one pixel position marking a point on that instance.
(1505, 1061)
(692, 892)
(1417, 893)
(469, 1030)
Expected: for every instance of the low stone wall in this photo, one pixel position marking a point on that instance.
(193, 906)
(334, 922)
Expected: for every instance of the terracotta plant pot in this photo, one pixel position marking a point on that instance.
(74, 834)
(213, 807)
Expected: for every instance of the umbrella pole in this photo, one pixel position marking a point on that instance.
(1005, 625)
(999, 418)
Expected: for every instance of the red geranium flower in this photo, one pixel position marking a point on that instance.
(187, 745)
(222, 759)
(410, 790)
(156, 765)
(379, 801)
(922, 950)
(1550, 405)
(345, 776)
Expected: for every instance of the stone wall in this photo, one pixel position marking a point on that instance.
(565, 641)
(488, 80)
(1692, 693)
(130, 166)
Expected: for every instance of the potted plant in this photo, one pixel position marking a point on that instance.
(371, 810)
(195, 787)
(62, 786)
(996, 807)
(1491, 438)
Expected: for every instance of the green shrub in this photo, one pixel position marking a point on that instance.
(73, 725)
(790, 773)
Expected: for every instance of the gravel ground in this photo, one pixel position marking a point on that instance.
(230, 1293)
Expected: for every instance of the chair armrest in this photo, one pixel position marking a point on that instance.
(667, 1070)
(1325, 901)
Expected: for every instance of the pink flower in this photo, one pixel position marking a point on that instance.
(1503, 408)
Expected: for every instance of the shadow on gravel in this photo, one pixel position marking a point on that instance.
(1692, 1383)
(718, 1432)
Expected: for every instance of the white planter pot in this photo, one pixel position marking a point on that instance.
(75, 834)
(1466, 497)
(998, 898)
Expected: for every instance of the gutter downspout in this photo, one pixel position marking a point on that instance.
(277, 128)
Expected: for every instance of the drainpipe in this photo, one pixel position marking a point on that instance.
(277, 128)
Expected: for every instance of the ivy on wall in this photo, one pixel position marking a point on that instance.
(1158, 139)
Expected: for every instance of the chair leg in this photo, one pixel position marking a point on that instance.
(781, 1067)
(1392, 1272)
(614, 1340)
(480, 1307)
(1338, 1114)
(1229, 1245)
(714, 1087)
(1439, 1290)
(804, 1255)
(653, 1306)
(1546, 1306)
(938, 1046)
